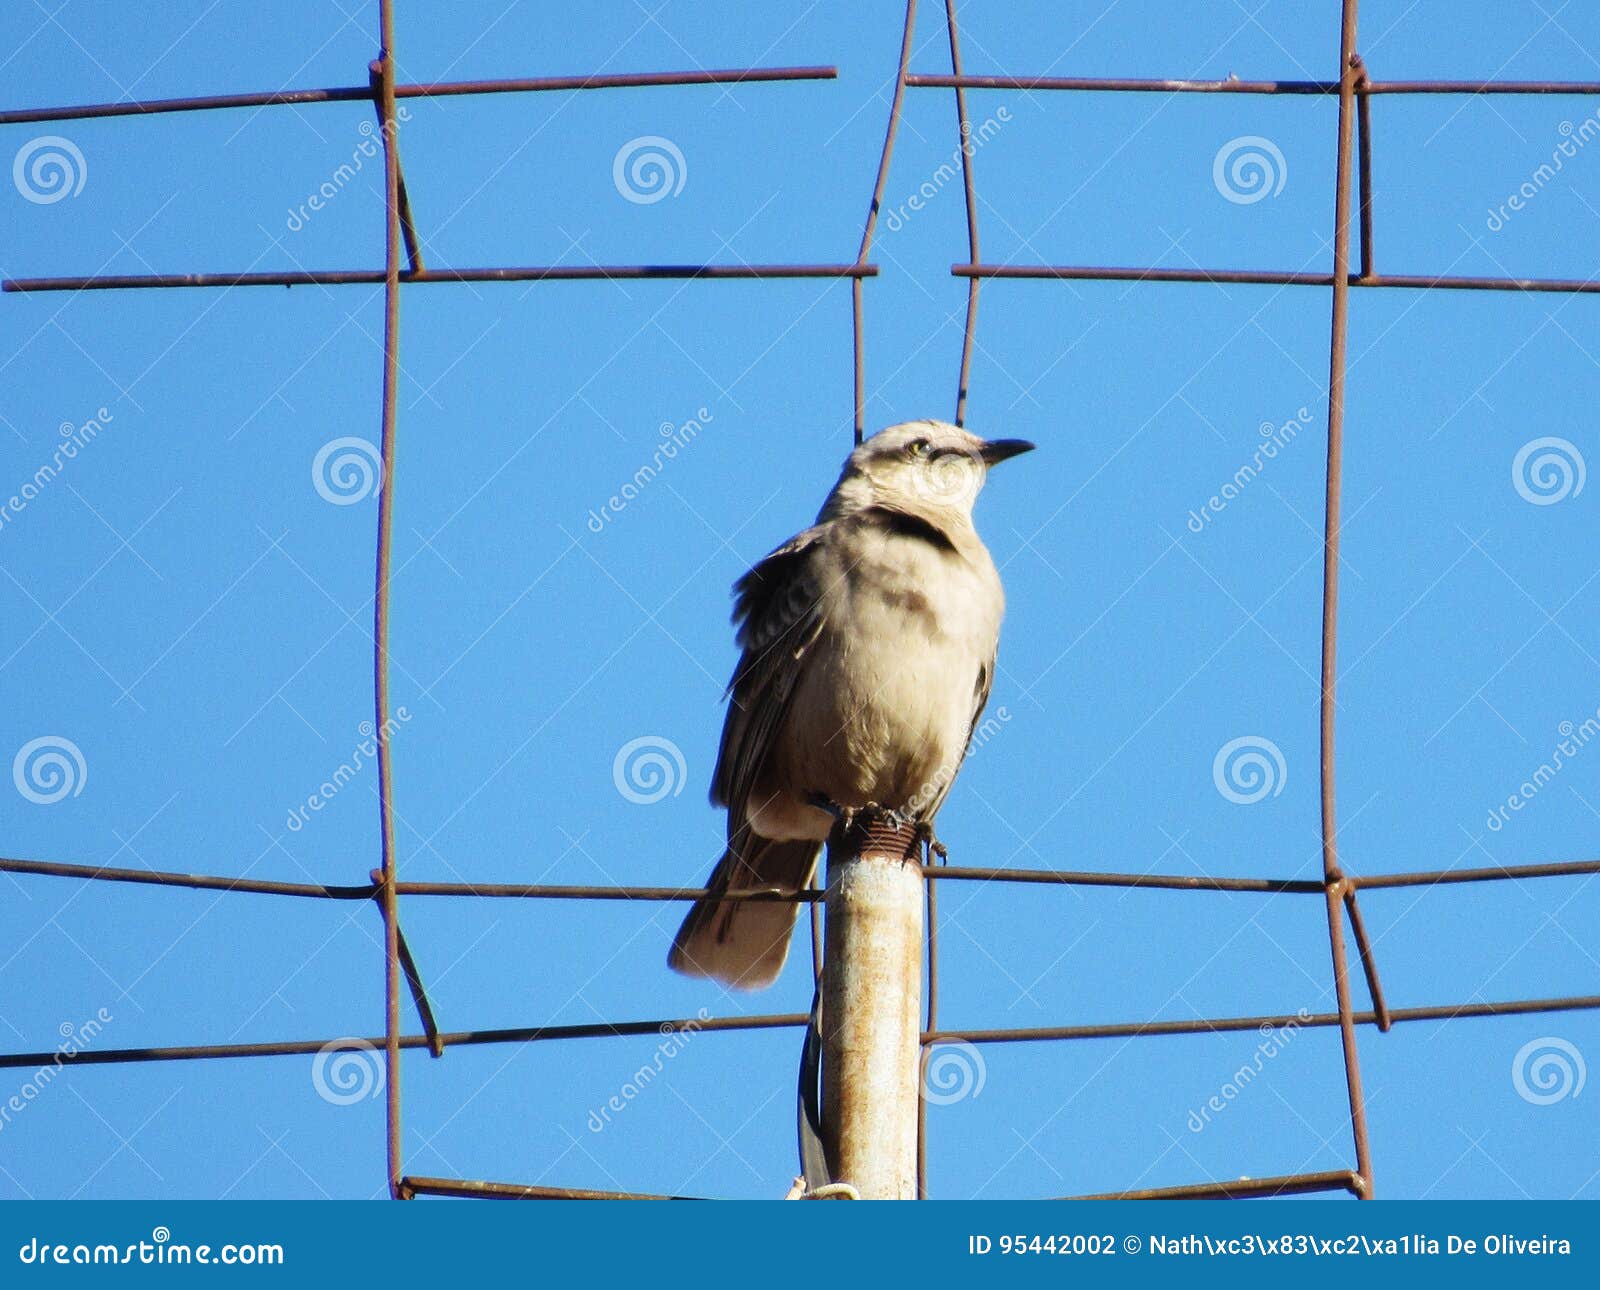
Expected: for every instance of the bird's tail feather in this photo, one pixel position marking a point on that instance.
(743, 943)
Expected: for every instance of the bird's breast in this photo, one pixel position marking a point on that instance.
(885, 706)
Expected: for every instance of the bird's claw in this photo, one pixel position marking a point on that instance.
(930, 840)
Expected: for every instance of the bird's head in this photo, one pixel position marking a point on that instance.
(921, 466)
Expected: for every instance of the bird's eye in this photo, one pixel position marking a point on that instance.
(917, 448)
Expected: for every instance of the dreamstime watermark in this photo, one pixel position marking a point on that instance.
(675, 1037)
(75, 437)
(1274, 1039)
(1248, 169)
(1274, 439)
(952, 480)
(1574, 739)
(1248, 769)
(48, 769)
(74, 1040)
(649, 768)
(972, 138)
(347, 470)
(1548, 1070)
(49, 168)
(1548, 470)
(649, 169)
(365, 151)
(160, 1250)
(360, 756)
(955, 1072)
(1572, 139)
(675, 437)
(348, 1070)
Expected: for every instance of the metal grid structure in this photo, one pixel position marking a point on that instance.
(1353, 89)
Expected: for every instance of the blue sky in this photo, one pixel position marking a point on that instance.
(184, 606)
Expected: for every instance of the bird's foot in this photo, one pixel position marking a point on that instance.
(930, 840)
(852, 817)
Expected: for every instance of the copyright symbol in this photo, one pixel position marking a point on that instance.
(1130, 1244)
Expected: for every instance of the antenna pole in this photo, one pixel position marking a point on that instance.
(872, 997)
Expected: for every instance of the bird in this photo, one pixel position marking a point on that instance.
(868, 652)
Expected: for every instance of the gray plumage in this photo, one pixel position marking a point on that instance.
(868, 652)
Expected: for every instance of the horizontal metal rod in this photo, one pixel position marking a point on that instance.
(375, 277)
(951, 873)
(1235, 1189)
(1229, 277)
(546, 891)
(1478, 87)
(1152, 85)
(1224, 1025)
(1436, 877)
(197, 881)
(438, 89)
(1165, 881)
(1117, 84)
(468, 1190)
(782, 1021)
(449, 1039)
(1242, 1188)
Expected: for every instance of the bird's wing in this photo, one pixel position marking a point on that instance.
(980, 700)
(778, 610)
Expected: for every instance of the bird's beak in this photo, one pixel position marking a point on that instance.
(997, 450)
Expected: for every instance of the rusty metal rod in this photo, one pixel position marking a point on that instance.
(1226, 1025)
(1364, 169)
(1241, 1188)
(451, 1039)
(1268, 277)
(795, 1021)
(466, 1189)
(1116, 84)
(1480, 87)
(1082, 878)
(954, 873)
(438, 89)
(969, 333)
(374, 277)
(1369, 960)
(389, 875)
(930, 1022)
(195, 881)
(408, 229)
(1152, 85)
(857, 305)
(1349, 75)
(1437, 877)
(419, 997)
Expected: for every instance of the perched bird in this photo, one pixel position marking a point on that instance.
(868, 652)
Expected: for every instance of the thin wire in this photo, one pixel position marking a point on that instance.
(969, 333)
(857, 321)
(1349, 73)
(380, 612)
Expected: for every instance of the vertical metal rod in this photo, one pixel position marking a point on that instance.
(872, 1050)
(816, 936)
(1349, 73)
(858, 329)
(932, 1024)
(1364, 149)
(969, 186)
(408, 227)
(1369, 961)
(380, 622)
